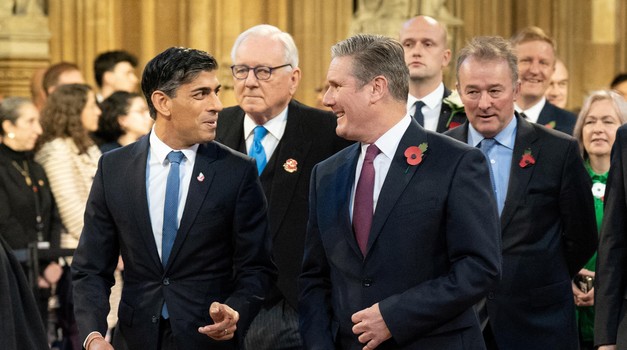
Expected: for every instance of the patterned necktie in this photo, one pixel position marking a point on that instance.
(363, 208)
(420, 118)
(170, 212)
(486, 145)
(257, 151)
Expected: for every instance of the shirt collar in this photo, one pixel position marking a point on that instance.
(533, 112)
(160, 150)
(594, 176)
(275, 126)
(506, 137)
(432, 100)
(388, 142)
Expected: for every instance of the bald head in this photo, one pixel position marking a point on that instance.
(426, 53)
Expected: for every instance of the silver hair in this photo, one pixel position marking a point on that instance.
(272, 32)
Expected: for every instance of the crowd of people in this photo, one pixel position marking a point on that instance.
(405, 215)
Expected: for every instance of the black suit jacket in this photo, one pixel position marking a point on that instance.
(221, 251)
(610, 323)
(449, 119)
(556, 118)
(549, 232)
(309, 138)
(433, 250)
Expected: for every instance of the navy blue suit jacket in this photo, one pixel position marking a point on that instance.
(556, 118)
(433, 249)
(221, 251)
(548, 232)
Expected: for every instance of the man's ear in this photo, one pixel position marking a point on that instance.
(162, 103)
(105, 78)
(379, 88)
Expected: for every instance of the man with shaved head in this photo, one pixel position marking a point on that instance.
(424, 41)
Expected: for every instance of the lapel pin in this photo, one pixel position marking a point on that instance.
(201, 177)
(290, 165)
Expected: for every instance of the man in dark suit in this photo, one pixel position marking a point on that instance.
(188, 216)
(407, 276)
(548, 227)
(610, 324)
(426, 49)
(536, 64)
(298, 138)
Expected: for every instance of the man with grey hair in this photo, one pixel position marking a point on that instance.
(548, 226)
(287, 139)
(403, 229)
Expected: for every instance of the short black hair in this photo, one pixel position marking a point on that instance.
(113, 107)
(621, 77)
(172, 68)
(106, 62)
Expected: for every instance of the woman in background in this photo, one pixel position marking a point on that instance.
(601, 115)
(125, 118)
(68, 154)
(28, 212)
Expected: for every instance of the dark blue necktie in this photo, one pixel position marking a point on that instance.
(257, 151)
(420, 118)
(170, 212)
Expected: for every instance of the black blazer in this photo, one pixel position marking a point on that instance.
(309, 138)
(221, 251)
(610, 323)
(556, 118)
(446, 121)
(548, 228)
(433, 250)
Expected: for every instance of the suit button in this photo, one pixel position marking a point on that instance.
(491, 295)
(155, 319)
(166, 281)
(367, 282)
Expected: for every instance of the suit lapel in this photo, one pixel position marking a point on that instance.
(519, 177)
(397, 179)
(445, 113)
(232, 131)
(136, 173)
(207, 154)
(294, 145)
(343, 190)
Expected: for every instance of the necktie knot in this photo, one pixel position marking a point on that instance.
(371, 153)
(486, 145)
(175, 157)
(259, 133)
(420, 118)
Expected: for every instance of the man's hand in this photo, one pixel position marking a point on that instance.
(225, 322)
(607, 347)
(96, 342)
(370, 327)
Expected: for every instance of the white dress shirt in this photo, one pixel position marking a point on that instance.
(157, 170)
(431, 109)
(275, 127)
(533, 112)
(387, 144)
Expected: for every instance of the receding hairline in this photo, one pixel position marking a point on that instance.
(430, 21)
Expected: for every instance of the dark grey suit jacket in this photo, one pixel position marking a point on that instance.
(556, 118)
(549, 232)
(309, 138)
(610, 323)
(221, 251)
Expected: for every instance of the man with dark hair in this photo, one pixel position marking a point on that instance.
(548, 225)
(403, 234)
(188, 216)
(61, 73)
(115, 71)
(536, 63)
(619, 84)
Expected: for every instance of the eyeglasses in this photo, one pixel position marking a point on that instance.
(240, 71)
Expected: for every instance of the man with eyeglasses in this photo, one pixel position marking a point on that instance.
(287, 139)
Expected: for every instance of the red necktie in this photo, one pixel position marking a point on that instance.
(363, 207)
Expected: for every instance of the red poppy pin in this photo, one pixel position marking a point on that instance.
(527, 159)
(453, 125)
(414, 154)
(550, 125)
(290, 165)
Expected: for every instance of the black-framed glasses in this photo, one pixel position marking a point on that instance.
(240, 71)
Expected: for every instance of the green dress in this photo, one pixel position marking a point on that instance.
(586, 313)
